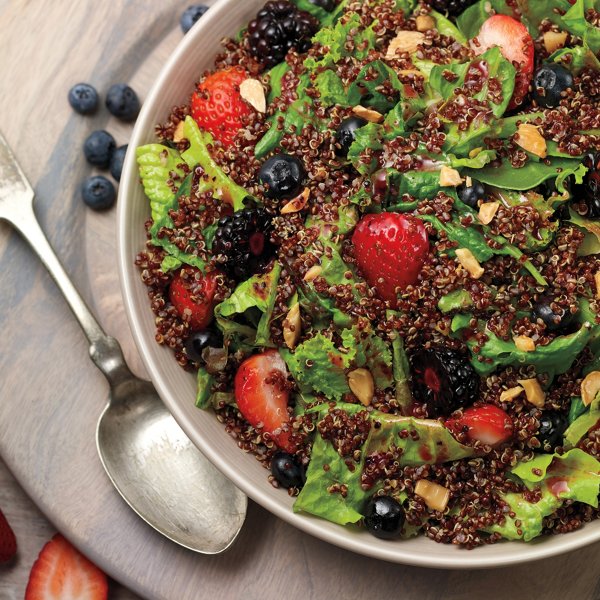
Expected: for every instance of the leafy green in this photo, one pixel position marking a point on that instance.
(401, 372)
(275, 80)
(456, 300)
(572, 476)
(555, 358)
(447, 27)
(331, 89)
(576, 58)
(576, 409)
(365, 89)
(469, 22)
(575, 22)
(591, 243)
(204, 384)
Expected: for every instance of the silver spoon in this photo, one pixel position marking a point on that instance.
(161, 475)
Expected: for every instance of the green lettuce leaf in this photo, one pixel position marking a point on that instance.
(574, 21)
(204, 384)
(365, 89)
(469, 22)
(447, 27)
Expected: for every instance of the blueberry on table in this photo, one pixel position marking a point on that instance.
(287, 471)
(98, 148)
(553, 425)
(190, 15)
(549, 82)
(116, 162)
(122, 102)
(346, 134)
(472, 194)
(198, 341)
(444, 380)
(384, 517)
(283, 175)
(83, 98)
(98, 192)
(555, 318)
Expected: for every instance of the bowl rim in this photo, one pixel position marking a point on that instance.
(344, 537)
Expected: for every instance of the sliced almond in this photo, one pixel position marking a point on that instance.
(313, 273)
(530, 139)
(511, 394)
(178, 133)
(362, 385)
(590, 387)
(487, 212)
(405, 41)
(368, 114)
(524, 343)
(553, 40)
(252, 91)
(450, 177)
(534, 392)
(597, 281)
(292, 326)
(425, 22)
(436, 496)
(469, 262)
(296, 204)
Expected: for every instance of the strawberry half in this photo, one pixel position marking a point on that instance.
(192, 293)
(62, 572)
(262, 397)
(217, 105)
(390, 250)
(8, 541)
(516, 45)
(487, 424)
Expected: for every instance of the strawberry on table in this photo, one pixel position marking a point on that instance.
(516, 45)
(62, 572)
(390, 250)
(8, 541)
(192, 293)
(217, 105)
(487, 424)
(262, 397)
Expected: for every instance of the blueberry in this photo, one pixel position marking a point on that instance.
(589, 190)
(283, 174)
(98, 148)
(287, 471)
(190, 15)
(384, 517)
(98, 192)
(472, 194)
(346, 134)
(83, 98)
(327, 5)
(200, 340)
(552, 427)
(116, 162)
(549, 82)
(122, 102)
(556, 319)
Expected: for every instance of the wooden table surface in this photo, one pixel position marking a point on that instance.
(51, 394)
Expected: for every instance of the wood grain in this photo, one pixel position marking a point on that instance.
(51, 394)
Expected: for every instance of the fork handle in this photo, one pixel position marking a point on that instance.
(104, 350)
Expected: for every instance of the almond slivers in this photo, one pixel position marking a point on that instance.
(292, 326)
(469, 262)
(361, 383)
(511, 393)
(487, 212)
(252, 91)
(449, 177)
(436, 496)
(296, 204)
(368, 114)
(590, 387)
(530, 139)
(405, 41)
(533, 391)
(524, 343)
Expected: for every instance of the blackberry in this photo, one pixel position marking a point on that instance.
(242, 242)
(443, 380)
(451, 7)
(278, 27)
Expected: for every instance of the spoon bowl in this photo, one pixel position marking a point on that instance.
(163, 477)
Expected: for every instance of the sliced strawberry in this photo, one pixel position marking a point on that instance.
(390, 250)
(262, 397)
(487, 424)
(192, 293)
(62, 572)
(217, 105)
(516, 45)
(8, 541)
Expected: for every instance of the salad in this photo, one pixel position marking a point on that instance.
(375, 238)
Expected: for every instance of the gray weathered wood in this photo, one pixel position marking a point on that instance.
(51, 394)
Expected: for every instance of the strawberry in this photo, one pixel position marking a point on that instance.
(516, 45)
(487, 424)
(261, 395)
(8, 541)
(192, 293)
(61, 572)
(390, 250)
(217, 105)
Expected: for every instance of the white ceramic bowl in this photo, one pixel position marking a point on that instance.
(177, 388)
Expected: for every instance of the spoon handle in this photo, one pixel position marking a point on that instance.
(16, 207)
